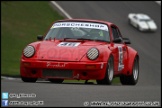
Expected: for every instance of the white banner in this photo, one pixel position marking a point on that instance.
(81, 25)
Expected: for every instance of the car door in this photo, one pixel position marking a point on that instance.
(119, 51)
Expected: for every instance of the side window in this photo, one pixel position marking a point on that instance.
(135, 17)
(119, 34)
(116, 33)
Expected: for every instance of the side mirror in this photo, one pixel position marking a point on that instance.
(40, 37)
(126, 41)
(117, 40)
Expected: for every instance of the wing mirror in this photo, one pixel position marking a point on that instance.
(40, 37)
(126, 41)
(117, 40)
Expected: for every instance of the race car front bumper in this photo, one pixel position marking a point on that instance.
(63, 70)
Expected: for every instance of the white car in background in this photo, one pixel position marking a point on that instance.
(142, 22)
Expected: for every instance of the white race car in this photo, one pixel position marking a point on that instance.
(142, 22)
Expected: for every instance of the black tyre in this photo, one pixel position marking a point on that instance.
(139, 28)
(132, 79)
(109, 72)
(25, 79)
(56, 80)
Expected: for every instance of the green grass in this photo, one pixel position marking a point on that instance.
(21, 22)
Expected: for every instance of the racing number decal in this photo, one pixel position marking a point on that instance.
(69, 44)
(120, 64)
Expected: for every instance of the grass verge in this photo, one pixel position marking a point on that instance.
(21, 22)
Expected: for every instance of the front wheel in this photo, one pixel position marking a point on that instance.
(25, 79)
(132, 79)
(109, 73)
(139, 28)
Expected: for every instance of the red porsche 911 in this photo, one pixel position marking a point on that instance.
(81, 49)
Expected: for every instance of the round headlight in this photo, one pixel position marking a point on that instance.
(29, 51)
(92, 53)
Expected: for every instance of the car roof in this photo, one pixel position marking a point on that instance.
(85, 20)
(142, 16)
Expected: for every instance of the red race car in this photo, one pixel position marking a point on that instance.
(81, 49)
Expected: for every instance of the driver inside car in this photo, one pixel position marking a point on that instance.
(97, 34)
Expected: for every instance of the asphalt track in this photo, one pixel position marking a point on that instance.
(147, 44)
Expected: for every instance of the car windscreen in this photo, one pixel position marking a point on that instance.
(145, 20)
(79, 30)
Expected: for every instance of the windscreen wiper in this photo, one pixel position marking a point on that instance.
(91, 39)
(75, 39)
(85, 39)
(82, 39)
(63, 39)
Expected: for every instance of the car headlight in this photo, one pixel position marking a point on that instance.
(92, 53)
(29, 51)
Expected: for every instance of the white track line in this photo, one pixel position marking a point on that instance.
(68, 16)
(61, 9)
(9, 78)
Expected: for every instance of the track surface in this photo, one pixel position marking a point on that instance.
(147, 44)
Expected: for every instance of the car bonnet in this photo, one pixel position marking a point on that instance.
(65, 50)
